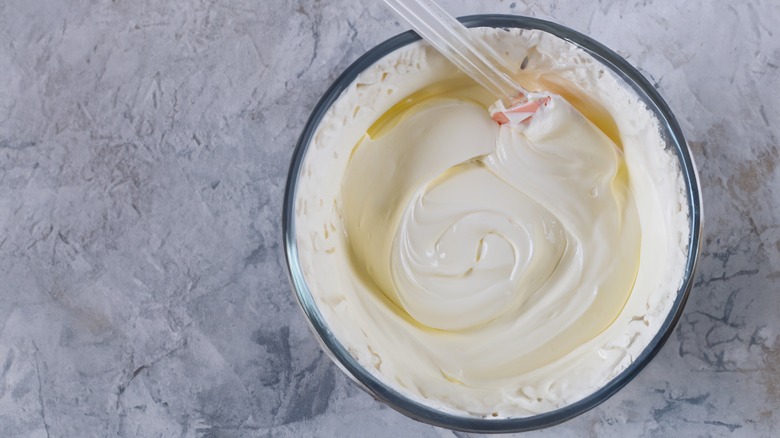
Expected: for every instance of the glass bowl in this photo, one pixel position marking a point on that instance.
(672, 135)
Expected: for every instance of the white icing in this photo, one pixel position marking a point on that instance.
(502, 285)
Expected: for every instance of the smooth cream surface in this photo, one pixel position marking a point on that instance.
(486, 269)
(461, 221)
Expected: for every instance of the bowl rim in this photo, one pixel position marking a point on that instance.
(416, 410)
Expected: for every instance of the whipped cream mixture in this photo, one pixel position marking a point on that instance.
(489, 269)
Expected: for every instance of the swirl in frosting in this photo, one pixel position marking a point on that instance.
(473, 227)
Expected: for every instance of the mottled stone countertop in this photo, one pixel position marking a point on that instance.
(144, 147)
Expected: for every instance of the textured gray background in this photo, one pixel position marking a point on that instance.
(143, 153)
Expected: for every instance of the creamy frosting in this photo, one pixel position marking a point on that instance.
(460, 221)
(484, 269)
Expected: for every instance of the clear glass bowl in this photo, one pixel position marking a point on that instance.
(673, 137)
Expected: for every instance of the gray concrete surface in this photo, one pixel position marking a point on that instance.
(143, 152)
